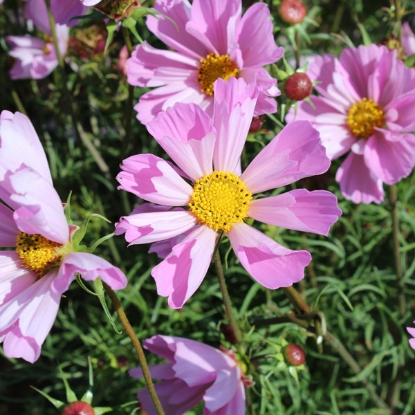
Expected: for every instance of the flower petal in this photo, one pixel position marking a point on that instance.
(181, 273)
(186, 134)
(173, 32)
(293, 154)
(256, 37)
(8, 229)
(357, 182)
(300, 210)
(234, 104)
(28, 318)
(213, 23)
(90, 267)
(142, 228)
(390, 160)
(38, 208)
(269, 263)
(152, 179)
(20, 145)
(223, 389)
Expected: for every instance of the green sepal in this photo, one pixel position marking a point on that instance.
(112, 26)
(99, 291)
(365, 36)
(67, 209)
(130, 24)
(102, 410)
(55, 402)
(88, 395)
(140, 12)
(100, 241)
(70, 394)
(80, 233)
(410, 61)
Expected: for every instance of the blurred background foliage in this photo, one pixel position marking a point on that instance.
(89, 127)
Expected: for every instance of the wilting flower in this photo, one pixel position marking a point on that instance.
(366, 105)
(411, 331)
(209, 40)
(408, 39)
(36, 58)
(195, 372)
(38, 271)
(218, 199)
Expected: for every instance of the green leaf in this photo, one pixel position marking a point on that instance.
(130, 24)
(55, 402)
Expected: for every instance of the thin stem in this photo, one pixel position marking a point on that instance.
(396, 249)
(225, 295)
(137, 345)
(296, 299)
(54, 35)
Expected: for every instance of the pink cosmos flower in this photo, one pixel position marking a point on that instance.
(34, 276)
(408, 39)
(216, 197)
(36, 58)
(365, 109)
(209, 40)
(411, 331)
(195, 372)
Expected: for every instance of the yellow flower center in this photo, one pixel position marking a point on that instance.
(364, 116)
(212, 68)
(219, 200)
(37, 253)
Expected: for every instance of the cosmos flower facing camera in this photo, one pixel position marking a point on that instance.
(206, 194)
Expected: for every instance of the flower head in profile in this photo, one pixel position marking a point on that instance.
(206, 194)
(194, 372)
(36, 58)
(208, 39)
(44, 261)
(365, 110)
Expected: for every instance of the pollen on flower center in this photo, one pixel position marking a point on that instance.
(37, 253)
(219, 200)
(212, 68)
(364, 116)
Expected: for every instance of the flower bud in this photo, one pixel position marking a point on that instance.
(256, 123)
(117, 9)
(298, 86)
(294, 354)
(78, 408)
(292, 11)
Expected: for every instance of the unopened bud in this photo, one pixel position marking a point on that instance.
(292, 11)
(256, 123)
(294, 354)
(78, 408)
(298, 86)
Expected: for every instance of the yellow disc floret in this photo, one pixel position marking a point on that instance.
(37, 253)
(212, 68)
(219, 200)
(364, 116)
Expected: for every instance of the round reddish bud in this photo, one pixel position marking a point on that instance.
(294, 354)
(256, 123)
(229, 334)
(292, 11)
(78, 408)
(298, 86)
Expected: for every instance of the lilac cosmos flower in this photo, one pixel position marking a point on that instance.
(35, 275)
(195, 372)
(207, 152)
(36, 58)
(209, 40)
(365, 109)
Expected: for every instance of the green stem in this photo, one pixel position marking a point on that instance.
(396, 250)
(225, 295)
(137, 345)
